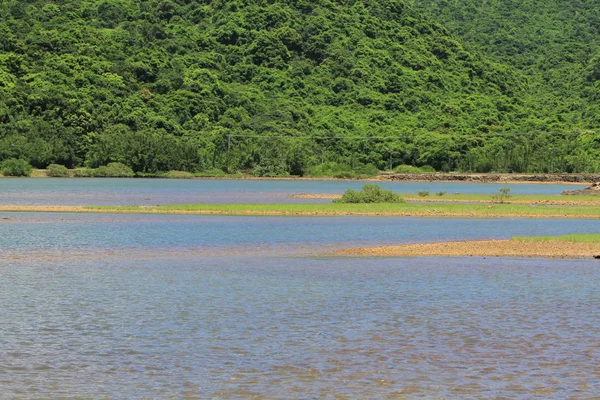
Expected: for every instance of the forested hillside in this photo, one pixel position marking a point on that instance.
(289, 87)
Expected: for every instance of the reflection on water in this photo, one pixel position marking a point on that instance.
(114, 191)
(300, 327)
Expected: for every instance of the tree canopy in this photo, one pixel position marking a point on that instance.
(279, 87)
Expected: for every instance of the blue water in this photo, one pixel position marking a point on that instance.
(299, 327)
(215, 307)
(34, 232)
(109, 191)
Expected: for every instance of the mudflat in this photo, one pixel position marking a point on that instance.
(481, 248)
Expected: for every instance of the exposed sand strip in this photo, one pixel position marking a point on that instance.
(482, 248)
(433, 213)
(594, 201)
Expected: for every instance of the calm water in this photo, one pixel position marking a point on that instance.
(158, 306)
(95, 191)
(276, 327)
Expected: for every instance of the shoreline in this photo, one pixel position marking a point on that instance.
(480, 248)
(542, 179)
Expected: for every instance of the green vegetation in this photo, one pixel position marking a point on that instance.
(112, 170)
(57, 171)
(575, 238)
(514, 198)
(15, 167)
(502, 196)
(277, 88)
(177, 175)
(370, 193)
(423, 193)
(410, 169)
(404, 209)
(336, 170)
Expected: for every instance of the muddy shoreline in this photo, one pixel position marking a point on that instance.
(494, 178)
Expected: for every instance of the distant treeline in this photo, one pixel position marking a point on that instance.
(287, 87)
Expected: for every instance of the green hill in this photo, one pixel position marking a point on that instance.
(277, 87)
(555, 44)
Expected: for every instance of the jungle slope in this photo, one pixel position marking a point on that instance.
(276, 88)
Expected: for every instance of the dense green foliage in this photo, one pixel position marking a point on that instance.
(112, 170)
(293, 87)
(370, 193)
(15, 167)
(57, 171)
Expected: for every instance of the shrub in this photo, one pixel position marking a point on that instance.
(270, 170)
(337, 170)
(177, 175)
(440, 193)
(423, 193)
(410, 169)
(502, 196)
(15, 167)
(215, 172)
(83, 172)
(370, 193)
(57, 171)
(113, 170)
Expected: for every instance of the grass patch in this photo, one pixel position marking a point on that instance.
(575, 238)
(533, 198)
(400, 209)
(370, 193)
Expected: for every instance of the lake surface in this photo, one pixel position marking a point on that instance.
(114, 191)
(173, 306)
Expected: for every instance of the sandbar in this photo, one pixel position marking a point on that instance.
(277, 210)
(481, 248)
(558, 201)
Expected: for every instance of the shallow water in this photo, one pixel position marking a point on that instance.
(189, 306)
(196, 235)
(109, 191)
(300, 327)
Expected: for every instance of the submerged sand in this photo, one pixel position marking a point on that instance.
(482, 248)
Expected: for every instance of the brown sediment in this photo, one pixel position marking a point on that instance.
(552, 202)
(494, 178)
(481, 248)
(314, 196)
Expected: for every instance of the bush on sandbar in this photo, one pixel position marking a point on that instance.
(370, 193)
